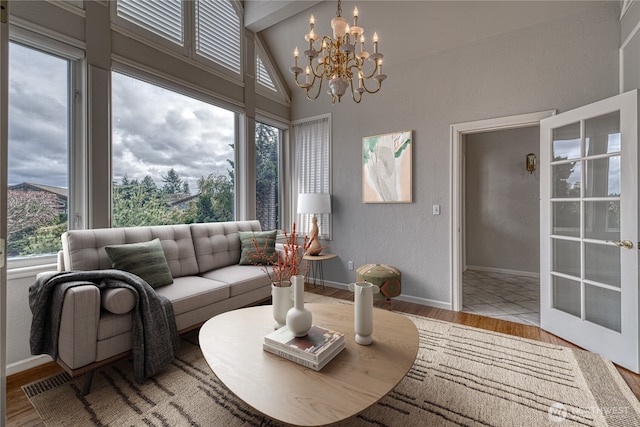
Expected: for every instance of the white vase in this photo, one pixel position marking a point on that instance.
(282, 301)
(298, 317)
(363, 314)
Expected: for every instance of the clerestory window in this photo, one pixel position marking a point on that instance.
(208, 31)
(262, 75)
(218, 35)
(163, 18)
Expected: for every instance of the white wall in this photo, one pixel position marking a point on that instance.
(560, 64)
(502, 203)
(19, 323)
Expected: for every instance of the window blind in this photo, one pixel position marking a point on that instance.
(262, 75)
(313, 168)
(218, 33)
(162, 17)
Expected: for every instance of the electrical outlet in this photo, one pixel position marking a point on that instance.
(350, 265)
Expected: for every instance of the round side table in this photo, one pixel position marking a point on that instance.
(314, 263)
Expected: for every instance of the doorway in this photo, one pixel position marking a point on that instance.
(479, 277)
(501, 225)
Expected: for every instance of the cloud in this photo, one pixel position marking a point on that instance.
(38, 122)
(156, 129)
(153, 129)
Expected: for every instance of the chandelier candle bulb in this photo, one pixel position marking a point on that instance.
(295, 55)
(339, 61)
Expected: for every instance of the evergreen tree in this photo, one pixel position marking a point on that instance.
(172, 182)
(267, 175)
(139, 204)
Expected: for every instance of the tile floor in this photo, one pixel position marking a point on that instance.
(503, 296)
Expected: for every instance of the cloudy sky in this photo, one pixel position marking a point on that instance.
(154, 129)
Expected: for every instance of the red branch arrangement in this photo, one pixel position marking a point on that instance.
(283, 265)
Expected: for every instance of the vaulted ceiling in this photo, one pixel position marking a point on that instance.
(407, 28)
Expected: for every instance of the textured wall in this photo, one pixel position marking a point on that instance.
(502, 203)
(560, 64)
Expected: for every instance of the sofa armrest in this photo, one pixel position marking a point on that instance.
(60, 261)
(79, 326)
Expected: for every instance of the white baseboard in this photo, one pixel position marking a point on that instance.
(401, 297)
(503, 271)
(23, 365)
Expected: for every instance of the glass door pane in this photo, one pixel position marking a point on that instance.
(585, 208)
(589, 263)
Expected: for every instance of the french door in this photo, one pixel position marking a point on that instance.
(589, 227)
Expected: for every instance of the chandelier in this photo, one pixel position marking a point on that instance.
(340, 60)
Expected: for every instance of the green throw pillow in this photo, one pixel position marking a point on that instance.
(145, 259)
(266, 241)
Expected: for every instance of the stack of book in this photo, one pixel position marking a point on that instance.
(313, 350)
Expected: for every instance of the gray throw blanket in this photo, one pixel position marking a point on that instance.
(155, 337)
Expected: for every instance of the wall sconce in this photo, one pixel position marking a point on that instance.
(531, 162)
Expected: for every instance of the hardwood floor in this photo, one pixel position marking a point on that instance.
(21, 413)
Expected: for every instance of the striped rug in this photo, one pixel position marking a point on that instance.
(462, 377)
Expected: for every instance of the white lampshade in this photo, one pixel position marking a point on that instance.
(314, 203)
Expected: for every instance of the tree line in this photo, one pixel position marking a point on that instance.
(35, 222)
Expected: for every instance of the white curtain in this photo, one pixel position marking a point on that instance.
(312, 145)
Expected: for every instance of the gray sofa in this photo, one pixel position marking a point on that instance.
(207, 280)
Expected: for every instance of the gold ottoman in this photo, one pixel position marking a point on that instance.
(386, 277)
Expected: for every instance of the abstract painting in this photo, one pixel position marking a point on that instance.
(386, 168)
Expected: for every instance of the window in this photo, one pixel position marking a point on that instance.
(173, 156)
(312, 141)
(163, 18)
(38, 153)
(268, 139)
(262, 75)
(208, 31)
(218, 33)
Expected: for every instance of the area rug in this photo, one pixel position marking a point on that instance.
(462, 377)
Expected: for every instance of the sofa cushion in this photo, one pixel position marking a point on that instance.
(266, 243)
(217, 244)
(117, 300)
(193, 292)
(144, 259)
(242, 278)
(84, 249)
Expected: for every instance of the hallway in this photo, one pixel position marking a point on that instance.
(502, 296)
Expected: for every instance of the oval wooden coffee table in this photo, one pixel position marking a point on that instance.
(290, 393)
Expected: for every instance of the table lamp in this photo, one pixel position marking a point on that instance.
(314, 203)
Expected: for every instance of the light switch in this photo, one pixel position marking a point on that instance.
(436, 209)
